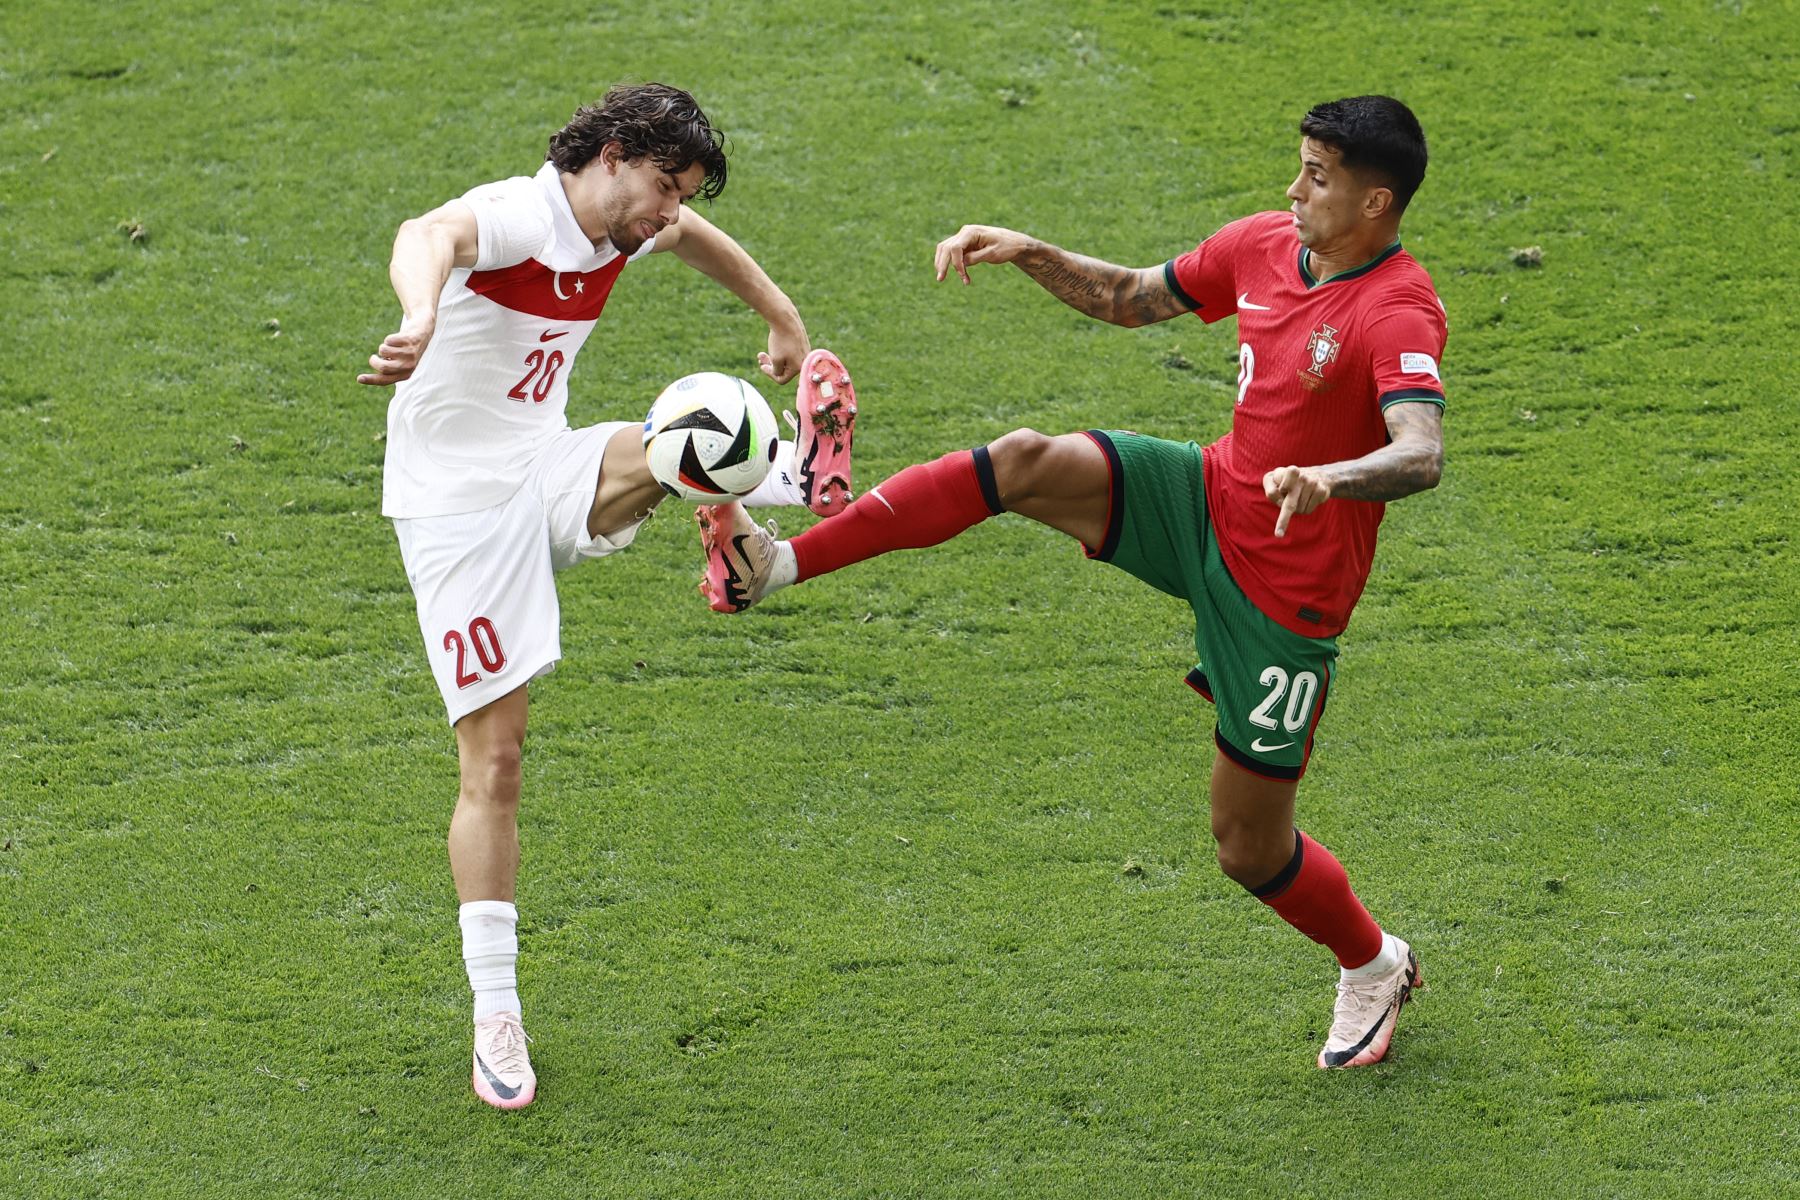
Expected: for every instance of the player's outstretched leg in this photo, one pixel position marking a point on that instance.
(1369, 1000)
(1063, 482)
(503, 1076)
(827, 403)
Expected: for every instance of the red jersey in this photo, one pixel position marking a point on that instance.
(1317, 363)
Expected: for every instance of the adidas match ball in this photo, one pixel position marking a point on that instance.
(710, 437)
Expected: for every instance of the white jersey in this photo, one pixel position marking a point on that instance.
(492, 388)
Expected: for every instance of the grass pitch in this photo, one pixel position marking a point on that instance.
(900, 885)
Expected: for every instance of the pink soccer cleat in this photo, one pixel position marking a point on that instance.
(503, 1076)
(1363, 1024)
(740, 555)
(827, 403)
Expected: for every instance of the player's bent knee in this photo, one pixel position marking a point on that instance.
(1023, 460)
(492, 774)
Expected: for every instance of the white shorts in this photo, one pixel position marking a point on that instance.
(484, 581)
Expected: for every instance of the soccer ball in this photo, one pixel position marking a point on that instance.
(710, 437)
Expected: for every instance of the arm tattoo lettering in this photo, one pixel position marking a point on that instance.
(1412, 462)
(1118, 295)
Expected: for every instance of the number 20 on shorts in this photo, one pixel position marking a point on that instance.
(1299, 699)
(488, 653)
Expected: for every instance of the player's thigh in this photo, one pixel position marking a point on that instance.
(485, 594)
(1156, 510)
(578, 475)
(1268, 684)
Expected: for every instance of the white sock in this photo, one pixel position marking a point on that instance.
(781, 486)
(1384, 961)
(785, 569)
(490, 953)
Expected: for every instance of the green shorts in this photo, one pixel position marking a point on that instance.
(1267, 683)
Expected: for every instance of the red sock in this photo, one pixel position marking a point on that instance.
(921, 506)
(1313, 894)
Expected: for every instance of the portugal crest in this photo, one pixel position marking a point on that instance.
(1321, 349)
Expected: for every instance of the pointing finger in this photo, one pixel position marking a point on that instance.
(1288, 503)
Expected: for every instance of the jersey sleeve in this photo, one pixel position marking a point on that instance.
(511, 222)
(1205, 278)
(1405, 344)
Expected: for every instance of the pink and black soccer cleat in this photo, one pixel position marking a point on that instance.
(503, 1076)
(1363, 1023)
(740, 555)
(827, 403)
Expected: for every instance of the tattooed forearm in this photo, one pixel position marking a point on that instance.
(1118, 295)
(1412, 462)
(1084, 284)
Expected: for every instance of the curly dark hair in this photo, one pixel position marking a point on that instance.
(649, 120)
(1373, 133)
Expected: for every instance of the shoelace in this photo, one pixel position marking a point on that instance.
(508, 1048)
(1368, 994)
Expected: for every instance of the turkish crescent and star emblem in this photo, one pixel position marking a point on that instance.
(556, 286)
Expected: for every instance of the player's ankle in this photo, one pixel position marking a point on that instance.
(1385, 960)
(784, 569)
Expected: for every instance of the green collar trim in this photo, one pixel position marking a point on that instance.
(1306, 274)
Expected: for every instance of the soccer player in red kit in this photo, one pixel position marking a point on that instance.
(1268, 533)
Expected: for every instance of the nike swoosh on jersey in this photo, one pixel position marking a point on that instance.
(1262, 749)
(549, 336)
(1244, 302)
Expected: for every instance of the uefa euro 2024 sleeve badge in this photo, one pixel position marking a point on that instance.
(1321, 349)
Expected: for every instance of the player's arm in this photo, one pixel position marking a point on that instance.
(1128, 296)
(426, 250)
(711, 251)
(1412, 461)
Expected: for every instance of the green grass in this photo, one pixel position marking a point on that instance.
(902, 884)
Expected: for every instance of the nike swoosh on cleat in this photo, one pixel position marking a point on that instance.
(1338, 1058)
(736, 594)
(1262, 749)
(1244, 302)
(809, 481)
(500, 1089)
(548, 336)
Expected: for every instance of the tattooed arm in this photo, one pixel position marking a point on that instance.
(1412, 461)
(1120, 295)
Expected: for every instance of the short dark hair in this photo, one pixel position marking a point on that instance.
(1373, 133)
(649, 120)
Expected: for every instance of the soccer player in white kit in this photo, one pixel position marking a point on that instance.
(491, 493)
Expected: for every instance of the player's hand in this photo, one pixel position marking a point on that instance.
(1295, 490)
(399, 354)
(977, 244)
(787, 350)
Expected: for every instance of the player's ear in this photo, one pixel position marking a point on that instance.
(611, 155)
(1378, 202)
